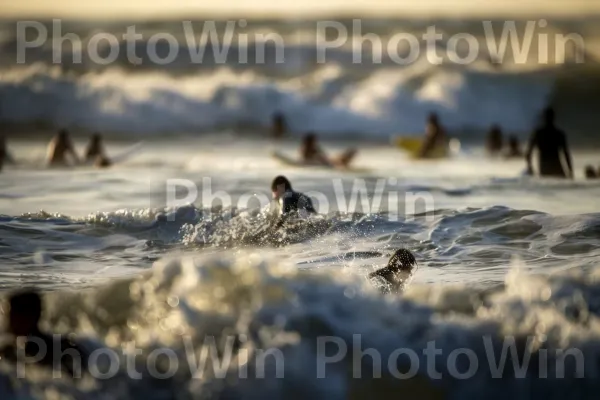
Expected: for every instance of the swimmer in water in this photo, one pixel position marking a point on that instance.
(435, 136)
(25, 311)
(278, 125)
(590, 172)
(59, 148)
(311, 154)
(514, 148)
(290, 201)
(551, 142)
(95, 152)
(494, 140)
(399, 268)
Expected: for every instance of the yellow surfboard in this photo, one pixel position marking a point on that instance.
(412, 145)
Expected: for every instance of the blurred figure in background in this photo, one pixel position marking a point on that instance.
(59, 148)
(435, 136)
(550, 143)
(494, 142)
(4, 153)
(311, 154)
(22, 322)
(590, 172)
(310, 151)
(278, 125)
(95, 152)
(514, 148)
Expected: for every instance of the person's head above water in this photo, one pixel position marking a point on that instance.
(310, 139)
(279, 186)
(402, 261)
(399, 267)
(433, 118)
(63, 135)
(548, 116)
(96, 138)
(25, 312)
(590, 172)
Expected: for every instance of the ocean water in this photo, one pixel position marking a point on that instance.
(500, 256)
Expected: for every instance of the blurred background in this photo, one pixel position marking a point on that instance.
(62, 86)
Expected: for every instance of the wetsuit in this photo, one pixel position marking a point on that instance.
(295, 201)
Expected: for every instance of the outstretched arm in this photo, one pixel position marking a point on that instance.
(530, 147)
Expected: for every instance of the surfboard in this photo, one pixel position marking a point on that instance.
(119, 157)
(412, 145)
(126, 153)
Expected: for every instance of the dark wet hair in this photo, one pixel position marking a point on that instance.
(433, 117)
(63, 133)
(281, 181)
(549, 114)
(26, 302)
(402, 260)
(310, 137)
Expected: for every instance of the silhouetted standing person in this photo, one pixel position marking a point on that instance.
(550, 143)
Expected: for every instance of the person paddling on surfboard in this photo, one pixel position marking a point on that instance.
(435, 136)
(59, 148)
(311, 154)
(95, 152)
(550, 142)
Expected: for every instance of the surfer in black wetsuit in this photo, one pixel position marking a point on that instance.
(550, 142)
(289, 200)
(399, 268)
(38, 347)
